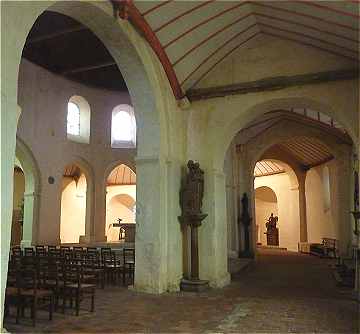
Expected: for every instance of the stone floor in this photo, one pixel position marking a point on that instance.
(283, 292)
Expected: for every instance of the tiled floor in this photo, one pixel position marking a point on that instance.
(283, 292)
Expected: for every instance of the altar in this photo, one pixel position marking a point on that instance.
(122, 231)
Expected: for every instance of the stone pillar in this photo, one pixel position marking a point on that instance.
(213, 233)
(97, 231)
(302, 207)
(10, 113)
(151, 225)
(31, 206)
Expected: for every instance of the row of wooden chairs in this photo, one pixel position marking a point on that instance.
(37, 283)
(109, 267)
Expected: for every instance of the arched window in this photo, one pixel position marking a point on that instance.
(123, 127)
(78, 120)
(73, 119)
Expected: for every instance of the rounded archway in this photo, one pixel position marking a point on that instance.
(120, 203)
(265, 204)
(29, 200)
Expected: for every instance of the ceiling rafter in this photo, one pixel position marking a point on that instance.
(205, 60)
(202, 4)
(152, 9)
(198, 25)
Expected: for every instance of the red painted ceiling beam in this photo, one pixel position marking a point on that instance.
(126, 10)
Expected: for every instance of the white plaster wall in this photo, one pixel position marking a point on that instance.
(73, 209)
(44, 96)
(288, 208)
(321, 222)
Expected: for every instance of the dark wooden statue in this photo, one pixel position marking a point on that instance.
(245, 220)
(191, 196)
(272, 232)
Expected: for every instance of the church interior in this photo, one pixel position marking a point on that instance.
(180, 166)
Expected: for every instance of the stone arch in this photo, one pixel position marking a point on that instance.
(32, 192)
(255, 110)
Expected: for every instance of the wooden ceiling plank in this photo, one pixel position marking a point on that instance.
(204, 22)
(313, 17)
(271, 83)
(202, 4)
(307, 26)
(89, 68)
(336, 53)
(219, 61)
(161, 4)
(214, 34)
(297, 33)
(54, 35)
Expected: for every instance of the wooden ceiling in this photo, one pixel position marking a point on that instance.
(66, 47)
(306, 152)
(191, 38)
(197, 35)
(121, 175)
(268, 167)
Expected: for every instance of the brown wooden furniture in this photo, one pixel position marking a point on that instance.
(75, 288)
(128, 263)
(29, 294)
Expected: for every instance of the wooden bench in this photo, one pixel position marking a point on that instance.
(329, 246)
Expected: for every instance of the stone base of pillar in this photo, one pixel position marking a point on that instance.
(194, 285)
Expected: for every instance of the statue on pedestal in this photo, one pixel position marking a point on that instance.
(191, 196)
(245, 220)
(272, 232)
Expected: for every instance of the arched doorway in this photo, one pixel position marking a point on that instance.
(18, 202)
(73, 205)
(265, 205)
(26, 193)
(120, 204)
(276, 193)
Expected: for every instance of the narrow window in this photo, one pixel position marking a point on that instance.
(73, 119)
(123, 127)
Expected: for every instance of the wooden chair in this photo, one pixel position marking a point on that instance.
(93, 267)
(30, 294)
(129, 263)
(75, 288)
(29, 251)
(16, 251)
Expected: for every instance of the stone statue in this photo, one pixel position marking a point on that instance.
(192, 190)
(245, 216)
(272, 232)
(245, 220)
(191, 197)
(271, 222)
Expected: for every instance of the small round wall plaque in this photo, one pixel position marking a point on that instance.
(51, 180)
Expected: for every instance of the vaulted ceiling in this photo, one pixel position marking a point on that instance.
(268, 167)
(197, 35)
(191, 38)
(306, 152)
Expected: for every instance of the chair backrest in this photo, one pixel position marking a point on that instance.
(17, 251)
(29, 251)
(26, 278)
(329, 243)
(91, 250)
(129, 254)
